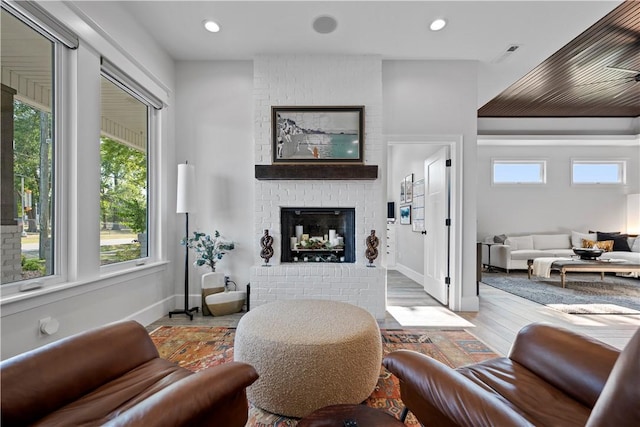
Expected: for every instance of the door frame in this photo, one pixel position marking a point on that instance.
(455, 144)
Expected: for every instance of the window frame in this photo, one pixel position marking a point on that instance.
(622, 171)
(65, 229)
(124, 83)
(516, 161)
(61, 64)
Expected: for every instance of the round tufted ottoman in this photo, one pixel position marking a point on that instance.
(309, 354)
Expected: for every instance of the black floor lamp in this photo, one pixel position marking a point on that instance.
(185, 204)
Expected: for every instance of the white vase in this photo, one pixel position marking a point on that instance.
(212, 283)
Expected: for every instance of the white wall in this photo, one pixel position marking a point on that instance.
(214, 131)
(431, 98)
(88, 298)
(557, 205)
(320, 80)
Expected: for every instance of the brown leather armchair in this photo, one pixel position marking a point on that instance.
(552, 377)
(114, 376)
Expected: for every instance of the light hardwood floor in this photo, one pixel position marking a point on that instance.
(500, 317)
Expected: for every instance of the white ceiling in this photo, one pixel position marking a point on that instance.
(477, 30)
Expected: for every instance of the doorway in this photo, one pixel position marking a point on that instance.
(432, 260)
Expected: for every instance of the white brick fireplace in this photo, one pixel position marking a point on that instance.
(303, 80)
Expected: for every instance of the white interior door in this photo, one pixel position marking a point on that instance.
(436, 209)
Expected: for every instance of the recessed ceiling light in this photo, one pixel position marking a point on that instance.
(438, 24)
(325, 24)
(211, 26)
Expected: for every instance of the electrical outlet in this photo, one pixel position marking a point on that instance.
(48, 326)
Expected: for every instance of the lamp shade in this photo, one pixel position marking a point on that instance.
(186, 200)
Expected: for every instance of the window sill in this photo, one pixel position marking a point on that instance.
(49, 293)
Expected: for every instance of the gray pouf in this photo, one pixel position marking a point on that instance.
(309, 354)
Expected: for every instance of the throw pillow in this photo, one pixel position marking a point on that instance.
(605, 245)
(499, 239)
(576, 238)
(620, 242)
(636, 245)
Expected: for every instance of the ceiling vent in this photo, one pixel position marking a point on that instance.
(507, 53)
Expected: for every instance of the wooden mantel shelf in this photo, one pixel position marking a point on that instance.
(308, 171)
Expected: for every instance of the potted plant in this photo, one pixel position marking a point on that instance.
(209, 250)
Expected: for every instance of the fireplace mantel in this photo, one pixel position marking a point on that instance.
(306, 171)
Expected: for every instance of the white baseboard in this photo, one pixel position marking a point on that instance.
(471, 303)
(150, 314)
(411, 274)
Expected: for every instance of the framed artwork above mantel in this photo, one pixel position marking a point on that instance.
(317, 135)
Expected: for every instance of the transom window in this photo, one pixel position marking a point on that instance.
(598, 172)
(518, 172)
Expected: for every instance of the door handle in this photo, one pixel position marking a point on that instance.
(423, 232)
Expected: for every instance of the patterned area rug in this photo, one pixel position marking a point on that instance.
(197, 347)
(584, 293)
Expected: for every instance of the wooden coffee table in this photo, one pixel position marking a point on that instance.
(337, 415)
(588, 266)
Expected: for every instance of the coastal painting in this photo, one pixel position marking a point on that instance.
(405, 214)
(317, 134)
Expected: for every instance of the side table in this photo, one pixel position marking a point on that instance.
(340, 415)
(489, 268)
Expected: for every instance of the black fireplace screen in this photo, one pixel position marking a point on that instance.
(318, 234)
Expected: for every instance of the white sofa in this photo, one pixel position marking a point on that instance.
(516, 250)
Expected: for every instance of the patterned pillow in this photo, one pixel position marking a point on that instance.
(605, 245)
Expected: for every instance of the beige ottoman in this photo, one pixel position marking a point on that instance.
(309, 354)
(212, 283)
(223, 303)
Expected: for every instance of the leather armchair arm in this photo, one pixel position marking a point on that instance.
(439, 395)
(213, 396)
(576, 364)
(45, 379)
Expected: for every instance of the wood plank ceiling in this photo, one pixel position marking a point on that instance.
(580, 80)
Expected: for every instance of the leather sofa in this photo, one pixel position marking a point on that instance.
(552, 377)
(114, 376)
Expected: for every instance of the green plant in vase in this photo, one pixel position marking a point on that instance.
(209, 250)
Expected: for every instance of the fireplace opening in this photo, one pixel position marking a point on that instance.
(318, 234)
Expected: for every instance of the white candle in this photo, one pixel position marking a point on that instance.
(294, 240)
(299, 232)
(332, 234)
